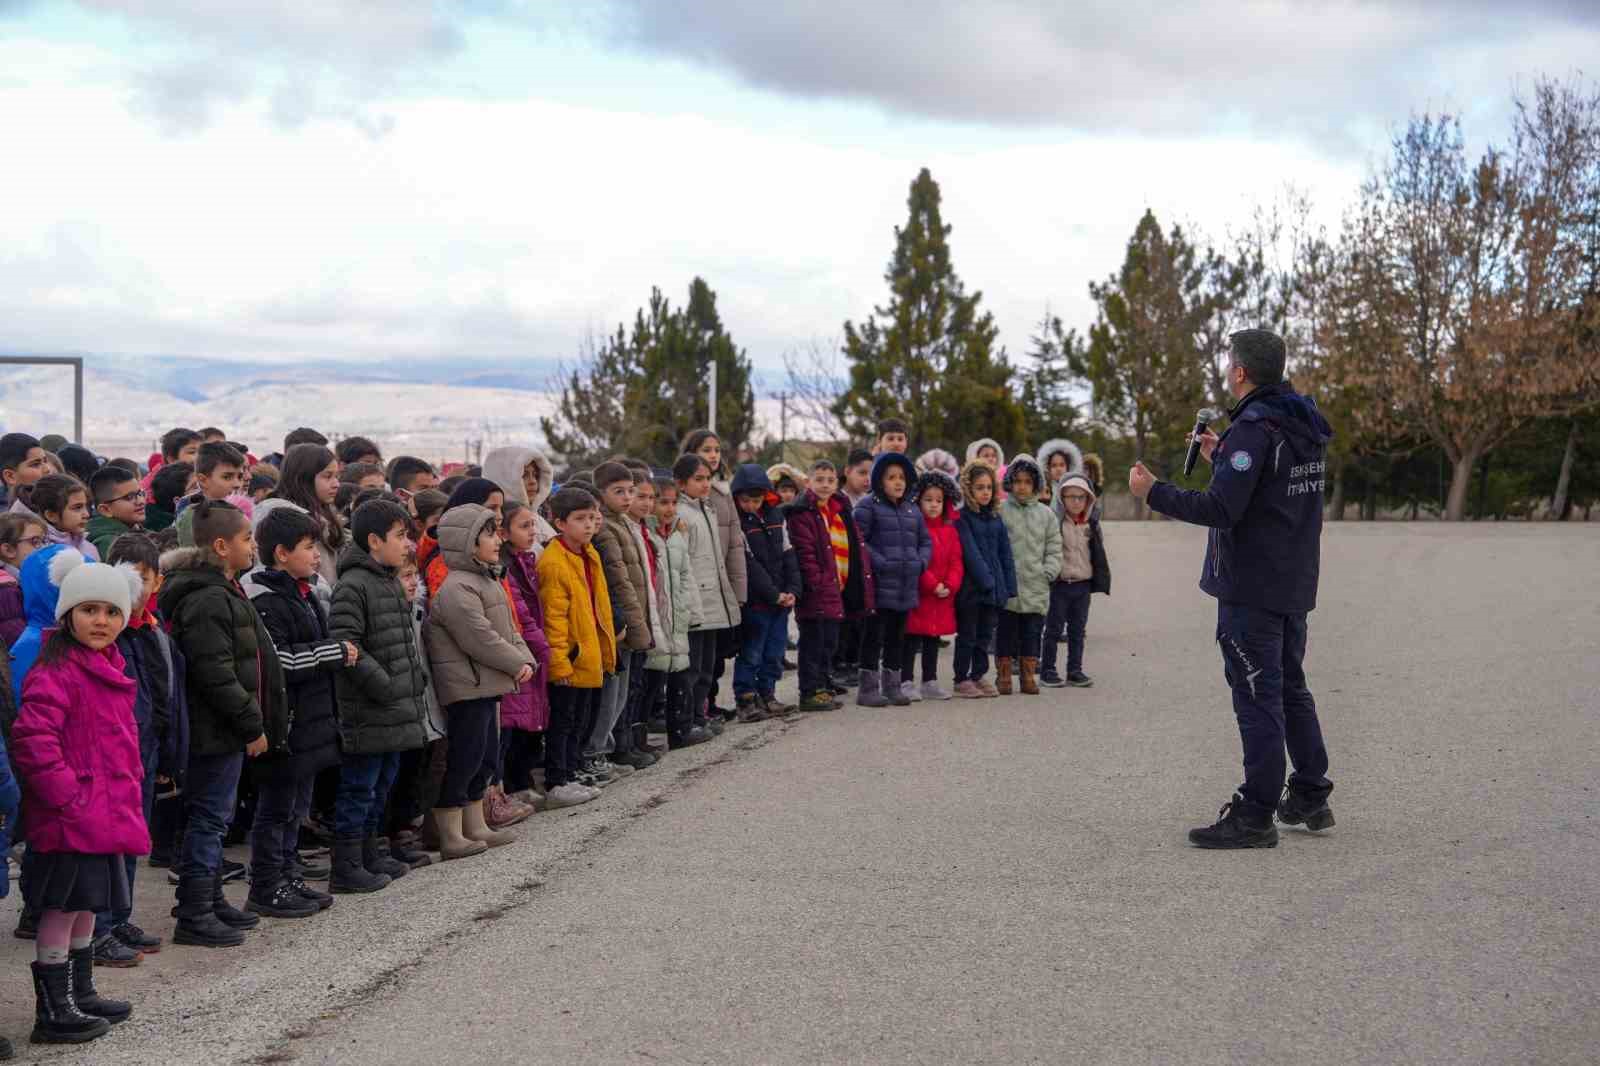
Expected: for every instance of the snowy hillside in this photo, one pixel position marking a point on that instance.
(128, 407)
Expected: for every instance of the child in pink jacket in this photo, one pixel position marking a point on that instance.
(525, 713)
(75, 745)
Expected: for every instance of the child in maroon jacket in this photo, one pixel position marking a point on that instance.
(835, 580)
(934, 616)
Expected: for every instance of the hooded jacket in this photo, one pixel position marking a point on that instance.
(39, 596)
(770, 565)
(383, 701)
(1035, 542)
(1264, 503)
(627, 577)
(719, 600)
(235, 682)
(76, 747)
(680, 598)
(1066, 448)
(475, 645)
(895, 535)
(989, 578)
(504, 466)
(933, 616)
(577, 616)
(311, 659)
(937, 459)
(778, 471)
(1083, 550)
(528, 708)
(999, 467)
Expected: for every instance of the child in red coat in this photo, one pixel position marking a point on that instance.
(935, 614)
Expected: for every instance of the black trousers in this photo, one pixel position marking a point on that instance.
(928, 648)
(1263, 661)
(847, 652)
(1069, 611)
(975, 625)
(572, 714)
(880, 639)
(520, 752)
(819, 639)
(474, 740)
(1019, 635)
(703, 662)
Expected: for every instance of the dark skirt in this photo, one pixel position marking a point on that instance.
(67, 881)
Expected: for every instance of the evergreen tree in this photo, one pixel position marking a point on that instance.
(1047, 382)
(929, 354)
(643, 391)
(1143, 361)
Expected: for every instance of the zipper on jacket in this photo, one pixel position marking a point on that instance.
(716, 540)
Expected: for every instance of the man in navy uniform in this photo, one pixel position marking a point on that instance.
(1264, 511)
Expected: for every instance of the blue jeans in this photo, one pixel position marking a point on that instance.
(1263, 655)
(210, 791)
(762, 643)
(364, 784)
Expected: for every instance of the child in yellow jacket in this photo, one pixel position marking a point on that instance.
(583, 641)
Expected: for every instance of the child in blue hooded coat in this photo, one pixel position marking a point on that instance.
(39, 597)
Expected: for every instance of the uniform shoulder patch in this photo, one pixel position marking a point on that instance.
(1240, 461)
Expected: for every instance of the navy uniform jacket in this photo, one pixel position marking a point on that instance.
(1264, 503)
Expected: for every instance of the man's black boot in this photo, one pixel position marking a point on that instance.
(1240, 824)
(226, 912)
(1302, 804)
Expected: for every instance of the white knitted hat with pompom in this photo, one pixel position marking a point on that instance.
(81, 581)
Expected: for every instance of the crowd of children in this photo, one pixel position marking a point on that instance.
(321, 645)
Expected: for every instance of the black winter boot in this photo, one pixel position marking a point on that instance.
(198, 924)
(376, 858)
(89, 1001)
(349, 872)
(57, 1018)
(1307, 804)
(281, 900)
(1240, 824)
(227, 913)
(321, 899)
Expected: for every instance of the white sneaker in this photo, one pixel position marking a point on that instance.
(908, 689)
(569, 795)
(932, 691)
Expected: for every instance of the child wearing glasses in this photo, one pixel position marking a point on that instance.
(119, 506)
(1084, 570)
(20, 536)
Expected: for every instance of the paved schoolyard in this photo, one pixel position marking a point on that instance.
(1007, 880)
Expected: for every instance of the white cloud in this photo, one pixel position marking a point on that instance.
(515, 227)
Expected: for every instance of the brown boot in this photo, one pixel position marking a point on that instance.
(474, 827)
(1002, 676)
(1030, 677)
(452, 844)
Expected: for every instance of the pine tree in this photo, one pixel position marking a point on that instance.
(929, 354)
(1143, 362)
(642, 392)
(1047, 382)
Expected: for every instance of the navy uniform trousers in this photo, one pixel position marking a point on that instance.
(1263, 655)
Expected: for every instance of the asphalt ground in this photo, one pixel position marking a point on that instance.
(1008, 880)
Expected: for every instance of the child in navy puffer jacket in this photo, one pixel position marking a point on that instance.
(896, 537)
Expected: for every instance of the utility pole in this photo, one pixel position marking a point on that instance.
(783, 427)
(711, 403)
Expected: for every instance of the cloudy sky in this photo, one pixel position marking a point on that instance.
(358, 179)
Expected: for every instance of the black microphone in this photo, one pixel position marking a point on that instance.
(1202, 419)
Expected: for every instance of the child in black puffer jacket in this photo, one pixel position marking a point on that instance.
(773, 572)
